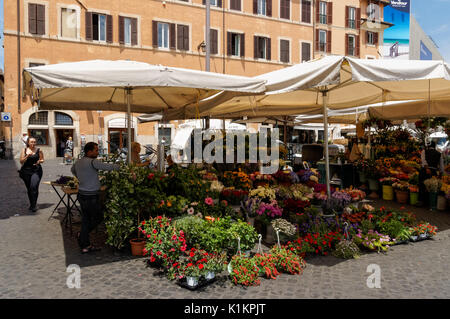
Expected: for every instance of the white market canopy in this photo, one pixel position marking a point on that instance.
(347, 82)
(103, 85)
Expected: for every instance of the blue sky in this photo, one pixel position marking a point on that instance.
(432, 15)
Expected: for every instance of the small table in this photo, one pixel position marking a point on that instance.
(67, 192)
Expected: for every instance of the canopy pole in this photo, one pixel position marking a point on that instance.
(325, 133)
(129, 93)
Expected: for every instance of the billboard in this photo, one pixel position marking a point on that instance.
(396, 38)
(425, 53)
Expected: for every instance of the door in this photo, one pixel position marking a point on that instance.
(118, 138)
(61, 138)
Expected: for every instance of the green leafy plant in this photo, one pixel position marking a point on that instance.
(192, 227)
(393, 228)
(245, 232)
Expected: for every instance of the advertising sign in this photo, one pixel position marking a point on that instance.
(396, 38)
(425, 53)
(6, 116)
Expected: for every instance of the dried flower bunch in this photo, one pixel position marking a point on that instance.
(284, 226)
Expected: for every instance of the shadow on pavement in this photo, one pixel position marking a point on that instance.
(328, 261)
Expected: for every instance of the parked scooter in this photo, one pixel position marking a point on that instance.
(2, 150)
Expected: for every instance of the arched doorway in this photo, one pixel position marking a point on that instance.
(63, 130)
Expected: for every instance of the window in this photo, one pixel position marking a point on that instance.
(69, 23)
(322, 40)
(183, 37)
(372, 38)
(235, 5)
(99, 27)
(285, 9)
(36, 19)
(215, 3)
(41, 136)
(236, 44)
(262, 48)
(63, 119)
(351, 45)
(263, 7)
(163, 35)
(323, 12)
(38, 118)
(284, 51)
(306, 51)
(352, 18)
(128, 31)
(306, 11)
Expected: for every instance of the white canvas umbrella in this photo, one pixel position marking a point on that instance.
(127, 86)
(335, 82)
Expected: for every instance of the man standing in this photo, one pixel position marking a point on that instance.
(432, 164)
(86, 170)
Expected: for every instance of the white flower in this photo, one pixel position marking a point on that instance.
(190, 211)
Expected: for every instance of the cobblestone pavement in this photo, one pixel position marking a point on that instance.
(35, 252)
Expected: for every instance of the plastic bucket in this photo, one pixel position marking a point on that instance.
(413, 198)
(388, 192)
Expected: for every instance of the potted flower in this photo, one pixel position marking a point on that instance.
(192, 272)
(285, 229)
(433, 186)
(214, 265)
(244, 271)
(249, 207)
(401, 191)
(388, 191)
(413, 194)
(267, 212)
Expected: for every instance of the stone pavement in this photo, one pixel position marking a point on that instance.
(35, 253)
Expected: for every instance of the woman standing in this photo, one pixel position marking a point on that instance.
(31, 171)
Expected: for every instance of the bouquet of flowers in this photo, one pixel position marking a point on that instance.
(389, 180)
(433, 184)
(413, 188)
(216, 186)
(269, 210)
(264, 193)
(287, 176)
(308, 175)
(233, 196)
(295, 206)
(401, 186)
(237, 179)
(258, 177)
(356, 194)
(284, 226)
(301, 192)
(250, 206)
(343, 197)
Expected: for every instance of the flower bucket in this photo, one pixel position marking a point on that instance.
(137, 246)
(413, 198)
(441, 203)
(414, 238)
(210, 275)
(373, 184)
(362, 177)
(192, 281)
(402, 197)
(433, 200)
(388, 192)
(251, 221)
(423, 236)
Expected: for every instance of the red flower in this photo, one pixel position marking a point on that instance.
(192, 254)
(183, 248)
(155, 231)
(190, 265)
(158, 253)
(150, 176)
(152, 259)
(200, 266)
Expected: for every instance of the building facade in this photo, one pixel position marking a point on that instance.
(247, 38)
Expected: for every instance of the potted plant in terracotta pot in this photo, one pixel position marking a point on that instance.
(401, 191)
(138, 244)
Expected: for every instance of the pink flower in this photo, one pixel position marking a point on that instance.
(209, 201)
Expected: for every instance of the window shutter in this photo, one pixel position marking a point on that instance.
(40, 19)
(317, 11)
(173, 36)
(269, 49)
(358, 18)
(347, 23)
(306, 52)
(243, 45)
(346, 44)
(288, 9)
(317, 40)
(375, 38)
(235, 5)
(255, 46)
(121, 30)
(109, 28)
(269, 8)
(134, 32)
(180, 42)
(219, 3)
(367, 36)
(155, 34)
(329, 41)
(284, 51)
(255, 6)
(357, 46)
(186, 38)
(214, 43)
(203, 2)
(32, 18)
(229, 44)
(88, 24)
(330, 13)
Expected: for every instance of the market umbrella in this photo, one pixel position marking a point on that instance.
(334, 82)
(127, 86)
(150, 118)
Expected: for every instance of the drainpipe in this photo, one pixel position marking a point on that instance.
(314, 28)
(19, 93)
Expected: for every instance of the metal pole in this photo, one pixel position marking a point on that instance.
(325, 133)
(129, 93)
(207, 41)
